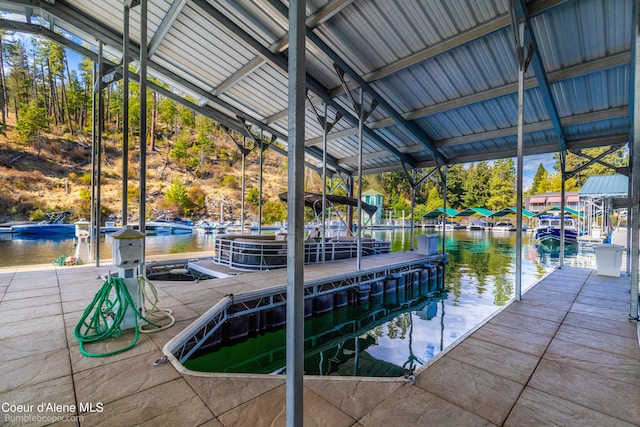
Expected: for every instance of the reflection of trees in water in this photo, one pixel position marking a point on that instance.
(502, 290)
(403, 322)
(485, 262)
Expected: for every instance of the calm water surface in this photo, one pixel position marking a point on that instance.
(479, 279)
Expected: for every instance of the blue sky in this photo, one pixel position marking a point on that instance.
(531, 164)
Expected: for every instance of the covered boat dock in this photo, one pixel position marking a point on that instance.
(346, 88)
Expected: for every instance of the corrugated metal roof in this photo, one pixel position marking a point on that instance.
(605, 186)
(447, 69)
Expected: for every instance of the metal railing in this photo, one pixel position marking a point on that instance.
(262, 253)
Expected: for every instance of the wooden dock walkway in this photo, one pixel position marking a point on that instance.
(564, 355)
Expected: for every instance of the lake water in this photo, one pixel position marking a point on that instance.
(471, 252)
(479, 279)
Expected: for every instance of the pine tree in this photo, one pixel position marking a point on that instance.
(538, 180)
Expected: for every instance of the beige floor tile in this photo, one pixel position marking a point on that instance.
(25, 283)
(213, 423)
(39, 400)
(550, 299)
(269, 410)
(623, 328)
(610, 397)
(536, 311)
(412, 406)
(494, 358)
(160, 338)
(80, 363)
(483, 393)
(619, 312)
(623, 346)
(37, 301)
(527, 342)
(535, 408)
(117, 380)
(34, 369)
(521, 322)
(355, 397)
(602, 362)
(76, 305)
(169, 404)
(43, 341)
(30, 312)
(18, 294)
(29, 326)
(224, 394)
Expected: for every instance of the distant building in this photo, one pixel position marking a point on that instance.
(540, 202)
(376, 199)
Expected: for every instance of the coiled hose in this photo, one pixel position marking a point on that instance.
(104, 315)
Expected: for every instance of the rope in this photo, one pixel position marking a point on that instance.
(104, 315)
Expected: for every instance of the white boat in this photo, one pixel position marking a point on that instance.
(503, 226)
(166, 224)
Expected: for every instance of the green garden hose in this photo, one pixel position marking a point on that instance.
(103, 317)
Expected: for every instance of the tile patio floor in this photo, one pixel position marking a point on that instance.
(564, 355)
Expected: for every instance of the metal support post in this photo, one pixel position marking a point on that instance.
(125, 116)
(323, 234)
(522, 68)
(94, 142)
(295, 237)
(143, 122)
(99, 149)
(242, 183)
(443, 174)
(563, 165)
(360, 129)
(633, 250)
(413, 208)
(260, 183)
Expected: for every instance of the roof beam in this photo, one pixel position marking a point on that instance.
(320, 16)
(536, 127)
(541, 149)
(521, 17)
(281, 62)
(615, 113)
(166, 24)
(412, 128)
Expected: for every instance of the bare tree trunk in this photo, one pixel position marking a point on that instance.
(4, 100)
(56, 110)
(154, 119)
(44, 86)
(65, 100)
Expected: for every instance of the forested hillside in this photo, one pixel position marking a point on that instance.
(193, 166)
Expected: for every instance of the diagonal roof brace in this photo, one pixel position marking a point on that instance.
(521, 15)
(623, 170)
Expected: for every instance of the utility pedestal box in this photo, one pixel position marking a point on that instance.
(608, 259)
(428, 244)
(128, 253)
